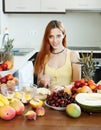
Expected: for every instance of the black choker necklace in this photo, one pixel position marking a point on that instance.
(58, 52)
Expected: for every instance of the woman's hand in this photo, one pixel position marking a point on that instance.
(44, 81)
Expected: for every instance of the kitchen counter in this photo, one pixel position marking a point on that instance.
(19, 61)
(54, 120)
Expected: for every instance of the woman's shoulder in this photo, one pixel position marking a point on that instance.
(74, 55)
(72, 52)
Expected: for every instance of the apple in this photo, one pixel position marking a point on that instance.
(4, 66)
(1, 69)
(99, 87)
(77, 83)
(3, 79)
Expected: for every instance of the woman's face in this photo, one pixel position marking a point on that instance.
(55, 38)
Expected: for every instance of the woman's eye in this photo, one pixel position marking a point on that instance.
(58, 36)
(51, 37)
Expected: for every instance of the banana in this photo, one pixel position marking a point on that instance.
(4, 100)
(1, 104)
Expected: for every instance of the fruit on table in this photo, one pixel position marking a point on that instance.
(73, 110)
(99, 88)
(90, 102)
(68, 90)
(30, 115)
(78, 84)
(59, 99)
(36, 103)
(7, 112)
(40, 111)
(84, 89)
(17, 105)
(4, 100)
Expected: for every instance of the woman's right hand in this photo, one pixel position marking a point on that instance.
(44, 81)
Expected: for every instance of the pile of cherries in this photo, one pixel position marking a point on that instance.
(59, 99)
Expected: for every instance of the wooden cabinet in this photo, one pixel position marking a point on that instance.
(53, 5)
(28, 6)
(83, 4)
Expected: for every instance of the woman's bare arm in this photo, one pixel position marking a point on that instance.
(76, 68)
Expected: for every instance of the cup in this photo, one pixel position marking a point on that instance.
(8, 91)
(29, 89)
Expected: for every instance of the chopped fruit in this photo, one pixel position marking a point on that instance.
(40, 111)
(31, 115)
(36, 103)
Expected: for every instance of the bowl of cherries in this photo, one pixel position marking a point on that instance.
(59, 100)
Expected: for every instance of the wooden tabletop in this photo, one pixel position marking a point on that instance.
(54, 120)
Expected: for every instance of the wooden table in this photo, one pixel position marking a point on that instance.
(54, 120)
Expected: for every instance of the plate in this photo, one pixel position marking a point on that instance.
(55, 108)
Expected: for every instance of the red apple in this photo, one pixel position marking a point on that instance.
(99, 87)
(77, 83)
(4, 66)
(3, 79)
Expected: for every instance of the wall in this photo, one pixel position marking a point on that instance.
(83, 28)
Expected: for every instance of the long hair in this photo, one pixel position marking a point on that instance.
(46, 48)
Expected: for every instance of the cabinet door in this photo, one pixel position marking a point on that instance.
(53, 5)
(83, 4)
(21, 5)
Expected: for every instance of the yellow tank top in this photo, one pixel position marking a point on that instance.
(60, 76)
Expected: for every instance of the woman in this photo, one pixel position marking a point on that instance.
(55, 64)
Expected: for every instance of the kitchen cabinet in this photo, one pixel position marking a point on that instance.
(83, 4)
(28, 6)
(21, 6)
(53, 5)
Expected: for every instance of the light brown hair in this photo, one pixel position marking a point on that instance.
(46, 47)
